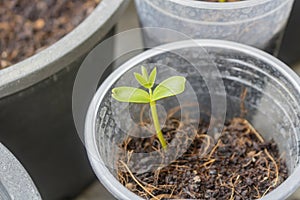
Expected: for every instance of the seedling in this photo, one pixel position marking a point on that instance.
(169, 87)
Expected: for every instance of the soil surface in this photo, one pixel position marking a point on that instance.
(239, 165)
(28, 26)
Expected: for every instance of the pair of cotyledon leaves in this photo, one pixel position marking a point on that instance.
(169, 87)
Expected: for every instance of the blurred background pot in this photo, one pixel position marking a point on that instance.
(36, 107)
(15, 183)
(272, 103)
(290, 48)
(259, 23)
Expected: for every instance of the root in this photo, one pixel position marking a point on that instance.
(275, 165)
(214, 149)
(142, 123)
(137, 182)
(252, 129)
(266, 191)
(242, 105)
(258, 193)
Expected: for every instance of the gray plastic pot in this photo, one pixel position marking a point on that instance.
(272, 103)
(36, 107)
(259, 23)
(15, 182)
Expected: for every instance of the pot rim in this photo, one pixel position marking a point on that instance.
(102, 172)
(58, 55)
(217, 5)
(15, 179)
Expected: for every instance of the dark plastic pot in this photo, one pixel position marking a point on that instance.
(36, 107)
(290, 49)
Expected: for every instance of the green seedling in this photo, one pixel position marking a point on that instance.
(169, 87)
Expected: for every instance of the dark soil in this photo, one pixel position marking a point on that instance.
(28, 26)
(240, 164)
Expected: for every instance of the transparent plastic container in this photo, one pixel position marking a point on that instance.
(272, 103)
(259, 23)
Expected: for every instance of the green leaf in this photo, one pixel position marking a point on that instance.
(169, 87)
(130, 94)
(145, 73)
(140, 79)
(152, 77)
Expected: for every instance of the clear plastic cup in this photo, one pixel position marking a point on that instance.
(259, 23)
(272, 103)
